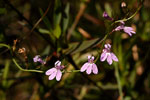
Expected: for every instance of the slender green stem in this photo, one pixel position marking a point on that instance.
(118, 82)
(6, 72)
(71, 71)
(27, 70)
(126, 19)
(104, 39)
(99, 51)
(4, 45)
(15, 62)
(97, 57)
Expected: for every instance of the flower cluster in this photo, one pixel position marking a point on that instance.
(90, 66)
(126, 29)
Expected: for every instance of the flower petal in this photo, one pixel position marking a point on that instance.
(109, 59)
(133, 32)
(89, 57)
(95, 69)
(103, 56)
(119, 28)
(84, 67)
(50, 71)
(128, 30)
(53, 75)
(58, 76)
(113, 56)
(57, 63)
(92, 58)
(89, 69)
(106, 16)
(107, 46)
(36, 58)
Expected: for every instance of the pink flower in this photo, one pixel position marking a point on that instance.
(106, 16)
(55, 71)
(129, 30)
(107, 54)
(126, 29)
(37, 58)
(89, 66)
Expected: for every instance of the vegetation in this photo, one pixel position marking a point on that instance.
(35, 34)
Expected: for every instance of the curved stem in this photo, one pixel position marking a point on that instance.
(118, 82)
(103, 42)
(4, 45)
(71, 71)
(97, 57)
(126, 19)
(15, 62)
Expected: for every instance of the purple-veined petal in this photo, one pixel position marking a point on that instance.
(89, 57)
(95, 69)
(103, 56)
(107, 46)
(113, 56)
(92, 58)
(58, 76)
(129, 33)
(53, 75)
(84, 67)
(50, 71)
(89, 69)
(133, 32)
(57, 63)
(129, 30)
(122, 22)
(109, 59)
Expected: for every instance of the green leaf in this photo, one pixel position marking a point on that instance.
(44, 31)
(66, 20)
(57, 13)
(108, 9)
(57, 19)
(127, 98)
(4, 45)
(78, 47)
(6, 72)
(46, 20)
(57, 31)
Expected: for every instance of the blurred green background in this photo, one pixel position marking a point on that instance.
(70, 30)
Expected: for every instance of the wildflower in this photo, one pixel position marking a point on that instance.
(126, 29)
(90, 66)
(55, 71)
(106, 16)
(38, 59)
(107, 54)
